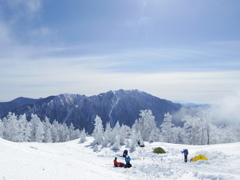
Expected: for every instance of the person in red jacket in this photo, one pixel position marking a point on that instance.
(117, 164)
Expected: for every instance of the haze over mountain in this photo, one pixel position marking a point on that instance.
(121, 105)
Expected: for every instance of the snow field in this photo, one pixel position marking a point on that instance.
(223, 164)
(74, 161)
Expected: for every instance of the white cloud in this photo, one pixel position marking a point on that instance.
(41, 33)
(4, 34)
(89, 76)
(227, 109)
(31, 6)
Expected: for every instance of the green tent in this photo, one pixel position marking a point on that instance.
(159, 150)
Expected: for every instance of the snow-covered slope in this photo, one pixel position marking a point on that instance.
(75, 161)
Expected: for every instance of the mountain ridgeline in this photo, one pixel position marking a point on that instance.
(122, 105)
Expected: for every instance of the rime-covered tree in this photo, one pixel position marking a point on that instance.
(107, 135)
(82, 136)
(24, 129)
(117, 134)
(71, 132)
(116, 145)
(237, 132)
(191, 129)
(75, 134)
(66, 133)
(166, 128)
(11, 128)
(37, 129)
(127, 131)
(133, 140)
(54, 131)
(154, 135)
(47, 130)
(18, 129)
(146, 126)
(122, 135)
(215, 134)
(1, 128)
(98, 131)
(198, 129)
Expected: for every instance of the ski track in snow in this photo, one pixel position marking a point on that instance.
(75, 161)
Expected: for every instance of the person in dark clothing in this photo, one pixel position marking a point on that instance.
(128, 164)
(125, 153)
(185, 153)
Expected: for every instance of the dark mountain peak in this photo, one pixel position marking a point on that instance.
(24, 100)
(46, 100)
(112, 106)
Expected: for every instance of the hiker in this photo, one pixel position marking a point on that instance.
(125, 153)
(185, 153)
(118, 164)
(128, 164)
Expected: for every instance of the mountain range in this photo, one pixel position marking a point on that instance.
(121, 105)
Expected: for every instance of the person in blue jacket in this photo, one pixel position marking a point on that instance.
(128, 164)
(185, 153)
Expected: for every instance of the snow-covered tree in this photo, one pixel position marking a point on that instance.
(133, 140)
(66, 133)
(98, 131)
(82, 136)
(24, 129)
(166, 128)
(154, 135)
(113, 134)
(178, 136)
(146, 127)
(148, 124)
(117, 135)
(11, 128)
(47, 130)
(2, 129)
(75, 134)
(18, 129)
(54, 131)
(71, 132)
(116, 145)
(107, 135)
(37, 129)
(198, 129)
(121, 135)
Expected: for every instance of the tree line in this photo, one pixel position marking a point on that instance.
(18, 129)
(197, 130)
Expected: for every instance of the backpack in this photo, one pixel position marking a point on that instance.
(185, 151)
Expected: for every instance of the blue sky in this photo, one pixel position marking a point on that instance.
(177, 50)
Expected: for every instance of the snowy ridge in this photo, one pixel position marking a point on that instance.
(71, 161)
(122, 105)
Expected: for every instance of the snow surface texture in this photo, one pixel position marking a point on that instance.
(74, 161)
